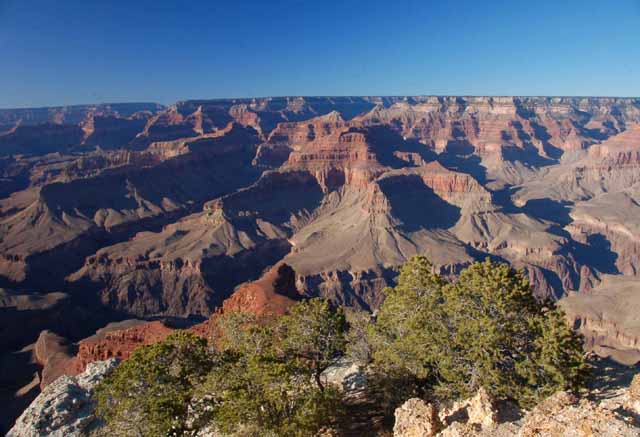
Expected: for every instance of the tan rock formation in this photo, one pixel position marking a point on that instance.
(477, 412)
(53, 353)
(563, 414)
(482, 410)
(415, 418)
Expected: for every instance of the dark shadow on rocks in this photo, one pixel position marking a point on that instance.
(609, 376)
(542, 134)
(224, 273)
(275, 197)
(364, 294)
(458, 156)
(555, 288)
(504, 199)
(597, 254)
(386, 141)
(17, 369)
(528, 156)
(550, 210)
(416, 204)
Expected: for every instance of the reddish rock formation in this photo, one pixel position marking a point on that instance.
(117, 341)
(271, 295)
(57, 356)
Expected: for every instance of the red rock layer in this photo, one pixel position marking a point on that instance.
(117, 344)
(271, 295)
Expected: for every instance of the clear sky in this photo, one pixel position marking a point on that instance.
(70, 51)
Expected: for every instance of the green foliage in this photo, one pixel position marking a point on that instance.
(263, 377)
(260, 379)
(485, 330)
(243, 334)
(357, 338)
(312, 335)
(559, 361)
(148, 394)
(409, 322)
(270, 377)
(267, 394)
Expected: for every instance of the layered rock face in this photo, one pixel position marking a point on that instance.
(607, 316)
(116, 340)
(153, 211)
(96, 202)
(46, 130)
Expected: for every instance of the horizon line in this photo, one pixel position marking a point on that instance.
(294, 96)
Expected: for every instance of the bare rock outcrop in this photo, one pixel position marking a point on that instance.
(54, 354)
(416, 418)
(564, 414)
(64, 408)
(347, 375)
(482, 410)
(470, 416)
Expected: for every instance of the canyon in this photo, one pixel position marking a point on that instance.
(151, 217)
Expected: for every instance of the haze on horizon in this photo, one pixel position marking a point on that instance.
(159, 51)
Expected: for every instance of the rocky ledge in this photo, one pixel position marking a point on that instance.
(64, 408)
(563, 414)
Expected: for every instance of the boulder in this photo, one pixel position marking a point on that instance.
(458, 429)
(416, 418)
(482, 409)
(347, 375)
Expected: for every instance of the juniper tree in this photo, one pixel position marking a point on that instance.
(485, 329)
(312, 335)
(149, 394)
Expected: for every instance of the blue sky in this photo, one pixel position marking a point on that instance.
(71, 51)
